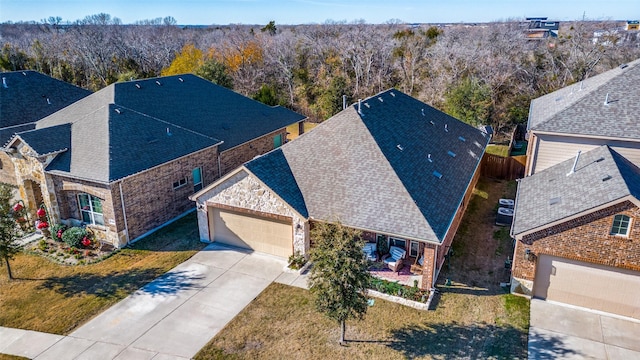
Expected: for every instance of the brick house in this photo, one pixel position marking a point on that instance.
(124, 160)
(391, 166)
(601, 110)
(26, 97)
(577, 233)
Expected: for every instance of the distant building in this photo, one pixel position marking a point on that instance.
(541, 28)
(632, 25)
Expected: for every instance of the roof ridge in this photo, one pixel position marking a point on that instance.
(165, 122)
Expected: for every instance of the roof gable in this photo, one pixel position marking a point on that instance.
(604, 105)
(601, 176)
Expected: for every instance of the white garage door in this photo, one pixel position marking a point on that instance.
(252, 232)
(587, 285)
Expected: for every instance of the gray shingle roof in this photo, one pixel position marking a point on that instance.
(580, 108)
(602, 176)
(24, 99)
(372, 170)
(136, 115)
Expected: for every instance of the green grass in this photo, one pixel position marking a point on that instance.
(54, 298)
(500, 150)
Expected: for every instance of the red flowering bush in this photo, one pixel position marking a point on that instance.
(86, 242)
(41, 212)
(17, 207)
(42, 225)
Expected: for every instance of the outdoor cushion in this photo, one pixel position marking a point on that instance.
(395, 254)
(370, 251)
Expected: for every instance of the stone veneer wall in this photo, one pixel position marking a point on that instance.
(7, 170)
(243, 191)
(585, 239)
(236, 156)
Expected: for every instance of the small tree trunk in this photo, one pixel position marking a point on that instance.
(342, 331)
(6, 260)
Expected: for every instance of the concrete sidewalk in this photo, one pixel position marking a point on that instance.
(561, 332)
(172, 317)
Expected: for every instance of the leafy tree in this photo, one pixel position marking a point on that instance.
(267, 95)
(270, 28)
(216, 72)
(9, 229)
(339, 277)
(469, 101)
(329, 102)
(187, 61)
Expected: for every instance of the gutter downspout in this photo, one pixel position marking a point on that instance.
(124, 212)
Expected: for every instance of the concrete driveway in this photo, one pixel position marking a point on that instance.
(562, 332)
(172, 317)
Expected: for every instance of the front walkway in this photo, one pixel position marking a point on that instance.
(559, 331)
(172, 317)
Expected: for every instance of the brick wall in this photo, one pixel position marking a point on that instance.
(149, 197)
(428, 272)
(585, 239)
(234, 157)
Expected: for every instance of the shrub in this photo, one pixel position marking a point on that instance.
(297, 261)
(57, 231)
(73, 236)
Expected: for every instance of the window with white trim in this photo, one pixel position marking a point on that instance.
(621, 225)
(414, 249)
(401, 243)
(90, 209)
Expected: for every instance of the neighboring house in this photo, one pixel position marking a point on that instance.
(601, 110)
(632, 25)
(124, 160)
(26, 97)
(390, 166)
(540, 28)
(577, 231)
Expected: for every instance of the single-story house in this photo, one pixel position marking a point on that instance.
(577, 231)
(390, 166)
(124, 160)
(26, 97)
(601, 110)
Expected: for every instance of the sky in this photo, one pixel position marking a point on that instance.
(223, 12)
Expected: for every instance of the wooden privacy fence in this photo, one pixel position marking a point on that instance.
(504, 168)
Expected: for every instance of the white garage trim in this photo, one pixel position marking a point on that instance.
(587, 285)
(250, 229)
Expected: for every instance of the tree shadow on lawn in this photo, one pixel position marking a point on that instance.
(473, 341)
(115, 284)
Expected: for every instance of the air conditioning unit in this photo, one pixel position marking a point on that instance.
(507, 203)
(504, 217)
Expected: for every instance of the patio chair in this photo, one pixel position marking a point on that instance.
(394, 259)
(370, 250)
(418, 266)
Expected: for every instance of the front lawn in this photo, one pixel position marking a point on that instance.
(55, 298)
(473, 318)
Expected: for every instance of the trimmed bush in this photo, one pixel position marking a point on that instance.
(57, 230)
(73, 236)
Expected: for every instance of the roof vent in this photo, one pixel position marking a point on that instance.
(117, 110)
(169, 132)
(4, 82)
(446, 128)
(400, 147)
(158, 82)
(423, 112)
(380, 98)
(392, 94)
(48, 101)
(180, 79)
(138, 86)
(573, 168)
(606, 99)
(24, 73)
(462, 138)
(429, 158)
(367, 105)
(360, 106)
(432, 123)
(555, 200)
(623, 66)
(451, 153)
(437, 174)
(599, 159)
(607, 177)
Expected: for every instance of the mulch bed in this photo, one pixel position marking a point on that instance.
(62, 253)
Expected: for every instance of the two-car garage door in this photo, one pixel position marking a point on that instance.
(252, 231)
(588, 285)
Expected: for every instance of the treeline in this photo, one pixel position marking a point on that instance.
(481, 74)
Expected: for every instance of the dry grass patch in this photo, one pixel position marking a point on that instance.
(56, 298)
(293, 129)
(283, 320)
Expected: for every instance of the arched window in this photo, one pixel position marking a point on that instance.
(621, 225)
(90, 209)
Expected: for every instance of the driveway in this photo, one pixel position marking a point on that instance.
(563, 332)
(172, 317)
